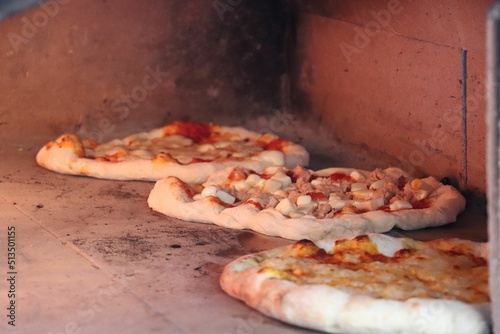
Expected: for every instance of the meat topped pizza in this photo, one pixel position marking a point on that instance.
(303, 204)
(188, 150)
(369, 284)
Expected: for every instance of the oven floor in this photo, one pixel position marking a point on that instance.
(91, 257)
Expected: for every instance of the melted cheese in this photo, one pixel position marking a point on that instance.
(182, 150)
(356, 266)
(186, 143)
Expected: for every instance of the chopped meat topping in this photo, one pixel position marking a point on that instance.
(327, 185)
(322, 210)
(304, 187)
(241, 195)
(301, 174)
(408, 193)
(272, 202)
(325, 196)
(293, 195)
(388, 191)
(378, 174)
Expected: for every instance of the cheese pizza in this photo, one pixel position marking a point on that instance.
(303, 204)
(188, 150)
(369, 284)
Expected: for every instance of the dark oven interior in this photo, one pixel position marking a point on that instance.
(362, 84)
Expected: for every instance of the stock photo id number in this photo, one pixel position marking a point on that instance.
(11, 275)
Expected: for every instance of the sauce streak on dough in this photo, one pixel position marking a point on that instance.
(255, 203)
(216, 200)
(112, 157)
(196, 160)
(164, 157)
(187, 189)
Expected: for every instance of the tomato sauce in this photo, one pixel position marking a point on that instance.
(256, 204)
(341, 177)
(276, 144)
(422, 204)
(197, 132)
(317, 196)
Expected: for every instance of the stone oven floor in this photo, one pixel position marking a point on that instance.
(91, 257)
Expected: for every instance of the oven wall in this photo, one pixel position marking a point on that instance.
(106, 68)
(399, 81)
(402, 77)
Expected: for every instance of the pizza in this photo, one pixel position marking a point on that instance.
(303, 204)
(188, 150)
(368, 284)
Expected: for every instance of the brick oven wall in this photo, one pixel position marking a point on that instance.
(400, 81)
(402, 77)
(107, 68)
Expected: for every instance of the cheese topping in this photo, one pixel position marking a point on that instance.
(356, 266)
(188, 142)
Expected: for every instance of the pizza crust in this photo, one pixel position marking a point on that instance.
(327, 308)
(70, 154)
(166, 197)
